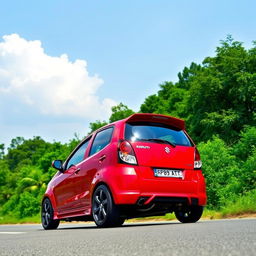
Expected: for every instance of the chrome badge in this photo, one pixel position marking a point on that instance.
(145, 147)
(167, 150)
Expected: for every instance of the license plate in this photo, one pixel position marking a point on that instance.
(168, 173)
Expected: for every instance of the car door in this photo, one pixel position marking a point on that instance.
(67, 188)
(98, 159)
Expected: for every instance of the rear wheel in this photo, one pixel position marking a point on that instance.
(47, 215)
(105, 212)
(190, 215)
(120, 222)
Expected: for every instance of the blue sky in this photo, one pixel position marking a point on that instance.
(112, 51)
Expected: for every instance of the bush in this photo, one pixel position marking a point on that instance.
(247, 143)
(248, 176)
(10, 205)
(28, 205)
(220, 170)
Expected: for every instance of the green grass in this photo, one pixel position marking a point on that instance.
(242, 205)
(15, 220)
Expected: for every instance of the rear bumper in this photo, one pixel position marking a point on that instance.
(135, 197)
(190, 199)
(130, 184)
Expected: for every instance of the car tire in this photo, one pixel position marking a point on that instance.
(104, 211)
(120, 222)
(47, 214)
(190, 215)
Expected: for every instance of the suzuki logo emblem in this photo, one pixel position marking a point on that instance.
(167, 150)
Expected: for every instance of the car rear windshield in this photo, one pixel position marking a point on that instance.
(155, 131)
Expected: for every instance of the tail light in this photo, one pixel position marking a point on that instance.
(197, 162)
(126, 153)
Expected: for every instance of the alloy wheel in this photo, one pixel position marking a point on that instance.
(100, 206)
(105, 212)
(47, 215)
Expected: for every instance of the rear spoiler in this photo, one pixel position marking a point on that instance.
(156, 118)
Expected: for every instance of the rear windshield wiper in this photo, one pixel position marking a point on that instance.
(160, 141)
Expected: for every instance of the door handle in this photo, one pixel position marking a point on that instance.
(77, 170)
(102, 158)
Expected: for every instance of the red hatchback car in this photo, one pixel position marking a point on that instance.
(144, 165)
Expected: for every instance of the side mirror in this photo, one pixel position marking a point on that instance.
(57, 164)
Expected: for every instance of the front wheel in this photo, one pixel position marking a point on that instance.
(190, 215)
(47, 215)
(105, 213)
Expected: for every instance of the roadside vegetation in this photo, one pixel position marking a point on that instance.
(216, 98)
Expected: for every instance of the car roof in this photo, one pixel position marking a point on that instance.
(147, 117)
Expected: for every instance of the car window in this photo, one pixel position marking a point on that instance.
(101, 140)
(78, 156)
(144, 131)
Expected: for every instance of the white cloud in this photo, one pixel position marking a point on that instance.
(32, 81)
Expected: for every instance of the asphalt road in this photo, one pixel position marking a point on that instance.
(216, 237)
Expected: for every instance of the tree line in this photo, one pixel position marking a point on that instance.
(216, 98)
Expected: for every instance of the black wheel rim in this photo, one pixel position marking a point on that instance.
(185, 214)
(100, 206)
(46, 213)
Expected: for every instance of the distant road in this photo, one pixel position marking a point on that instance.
(216, 237)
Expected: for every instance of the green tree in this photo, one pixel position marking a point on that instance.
(222, 94)
(6, 183)
(24, 151)
(16, 142)
(119, 112)
(215, 98)
(1, 151)
(96, 125)
(151, 104)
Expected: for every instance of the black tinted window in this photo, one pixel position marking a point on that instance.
(140, 132)
(78, 156)
(101, 140)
